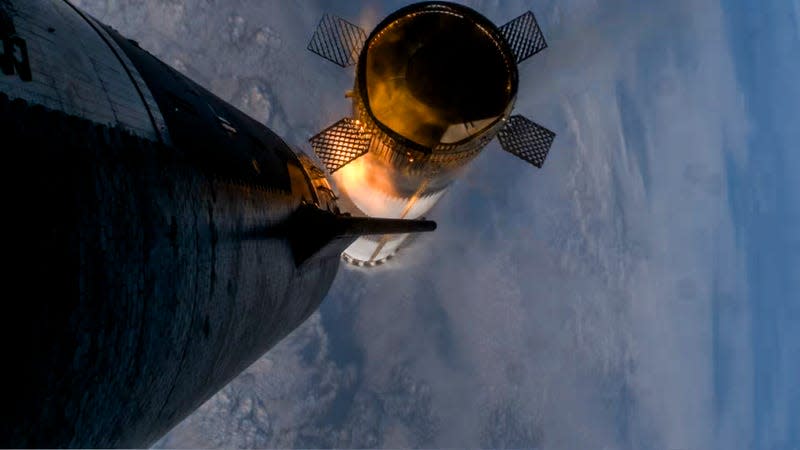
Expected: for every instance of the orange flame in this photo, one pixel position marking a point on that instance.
(367, 182)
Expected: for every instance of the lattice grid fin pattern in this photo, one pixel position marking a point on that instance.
(340, 143)
(524, 36)
(337, 40)
(526, 140)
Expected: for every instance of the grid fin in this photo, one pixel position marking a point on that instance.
(341, 143)
(526, 140)
(524, 36)
(337, 40)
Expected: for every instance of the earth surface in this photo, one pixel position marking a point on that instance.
(640, 291)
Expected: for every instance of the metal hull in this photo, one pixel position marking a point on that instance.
(142, 288)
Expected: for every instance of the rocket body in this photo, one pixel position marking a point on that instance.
(165, 240)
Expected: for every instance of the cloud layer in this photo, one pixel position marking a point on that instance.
(586, 305)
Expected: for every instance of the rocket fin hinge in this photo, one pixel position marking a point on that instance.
(524, 36)
(526, 140)
(337, 40)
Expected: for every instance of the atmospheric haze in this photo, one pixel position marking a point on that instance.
(605, 301)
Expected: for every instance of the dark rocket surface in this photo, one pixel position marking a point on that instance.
(169, 239)
(163, 240)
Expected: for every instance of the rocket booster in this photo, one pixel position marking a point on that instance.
(434, 83)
